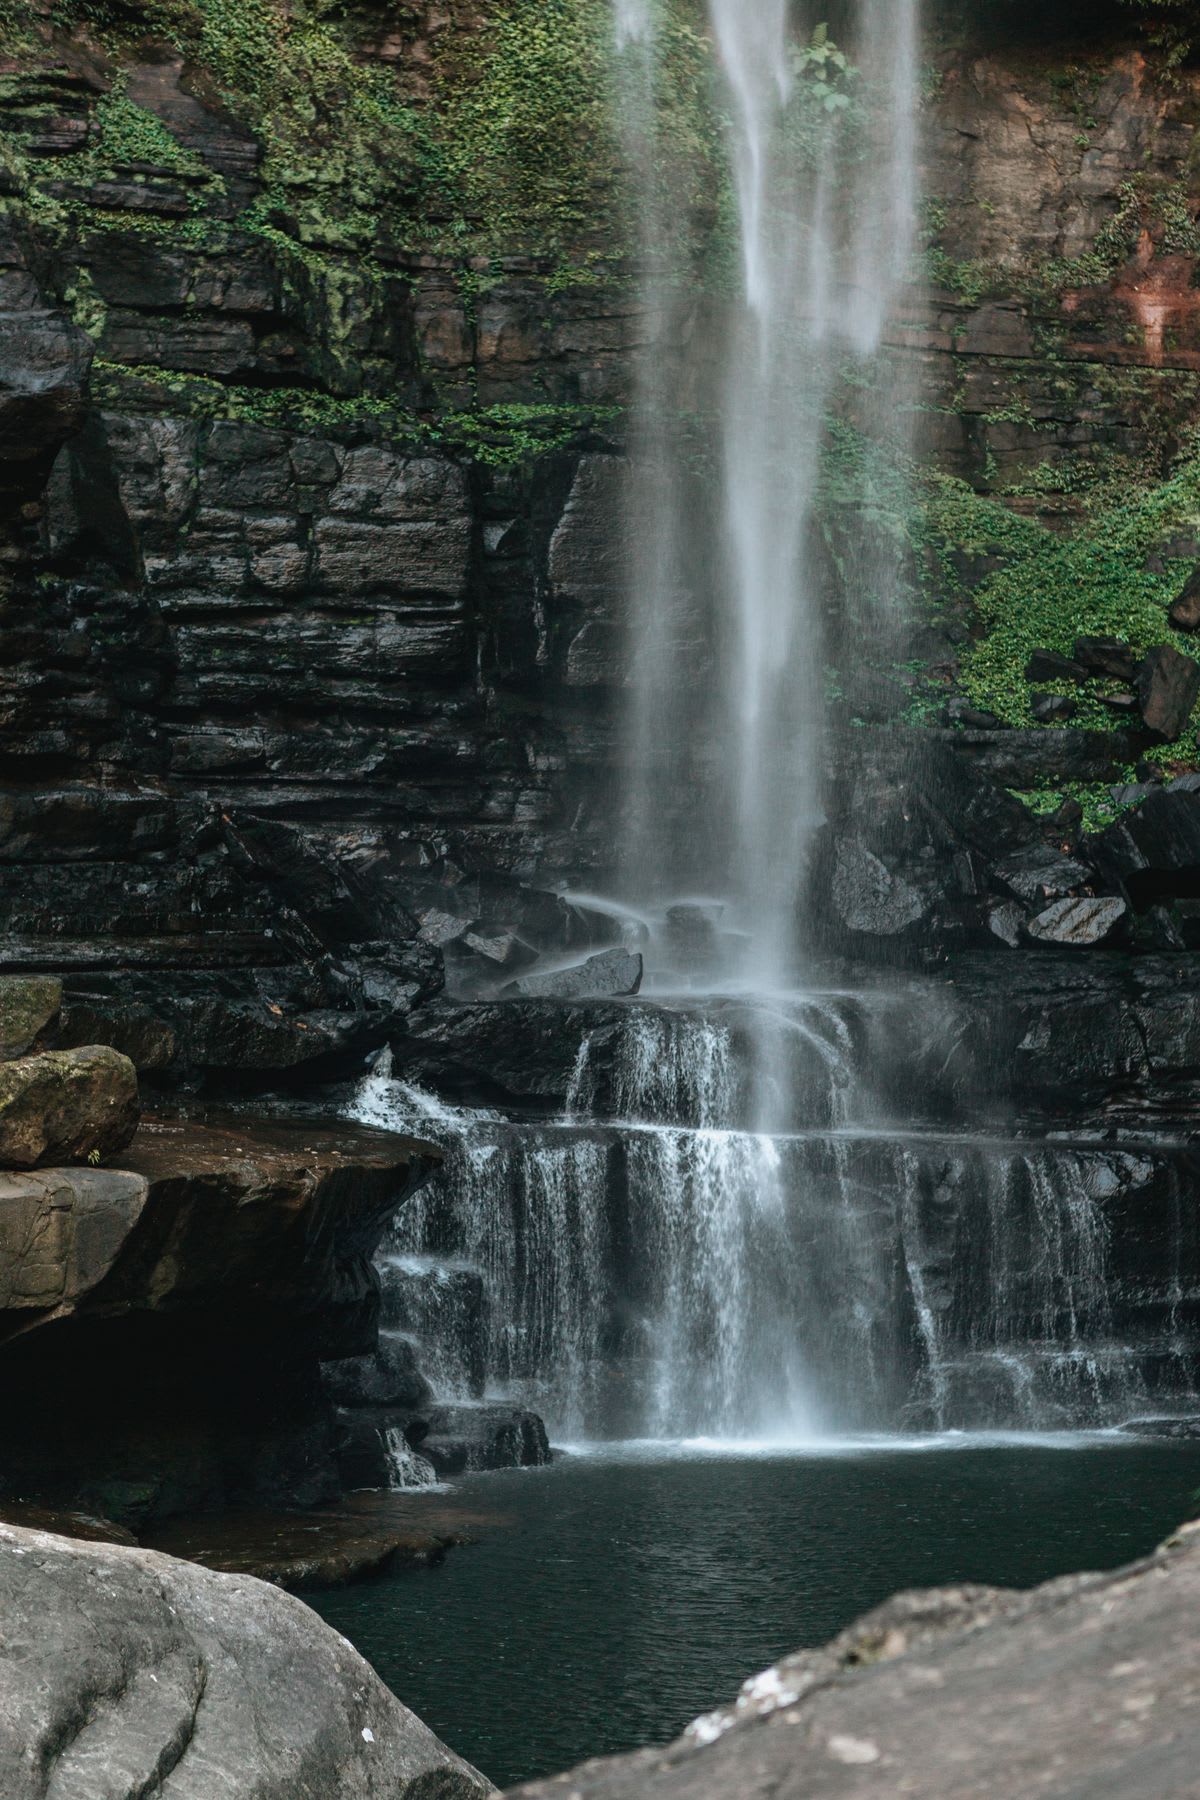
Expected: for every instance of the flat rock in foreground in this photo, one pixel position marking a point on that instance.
(1089, 1686)
(130, 1673)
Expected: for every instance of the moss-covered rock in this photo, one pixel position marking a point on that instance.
(28, 1005)
(67, 1106)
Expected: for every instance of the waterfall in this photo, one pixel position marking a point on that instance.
(823, 152)
(643, 1268)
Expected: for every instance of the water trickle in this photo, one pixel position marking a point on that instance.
(405, 1468)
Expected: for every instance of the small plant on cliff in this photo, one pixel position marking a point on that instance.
(1171, 27)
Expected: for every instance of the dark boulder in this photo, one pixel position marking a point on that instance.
(869, 897)
(1106, 656)
(389, 1377)
(1154, 850)
(1040, 874)
(130, 1673)
(1053, 709)
(1185, 613)
(1078, 924)
(459, 1438)
(66, 1106)
(29, 1006)
(1168, 687)
(1006, 921)
(1051, 665)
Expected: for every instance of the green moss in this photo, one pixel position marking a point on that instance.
(1094, 798)
(1052, 589)
(495, 436)
(126, 134)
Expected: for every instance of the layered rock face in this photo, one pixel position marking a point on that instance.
(128, 1672)
(303, 631)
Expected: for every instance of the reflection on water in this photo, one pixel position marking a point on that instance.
(629, 1591)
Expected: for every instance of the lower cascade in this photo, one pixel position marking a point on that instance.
(648, 1265)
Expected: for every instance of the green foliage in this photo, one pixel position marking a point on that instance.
(496, 436)
(1049, 589)
(825, 72)
(1170, 27)
(1095, 799)
(127, 135)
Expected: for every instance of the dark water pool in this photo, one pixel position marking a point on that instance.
(618, 1595)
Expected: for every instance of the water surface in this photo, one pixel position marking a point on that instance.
(625, 1592)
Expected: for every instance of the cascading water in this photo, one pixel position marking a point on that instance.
(824, 171)
(633, 1269)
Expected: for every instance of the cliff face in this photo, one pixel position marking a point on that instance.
(311, 423)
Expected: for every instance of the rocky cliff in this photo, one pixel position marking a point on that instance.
(318, 330)
(319, 335)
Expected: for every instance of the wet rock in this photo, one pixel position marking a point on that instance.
(129, 1668)
(29, 1004)
(614, 973)
(1078, 924)
(1106, 656)
(61, 1232)
(66, 1106)
(365, 1535)
(1041, 873)
(200, 1286)
(1088, 1685)
(972, 718)
(1181, 1430)
(375, 1454)
(1155, 849)
(88, 1528)
(869, 897)
(458, 1438)
(1185, 613)
(1168, 687)
(389, 1377)
(504, 949)
(45, 360)
(1006, 921)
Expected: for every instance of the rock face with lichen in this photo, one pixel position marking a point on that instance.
(66, 1106)
(130, 1672)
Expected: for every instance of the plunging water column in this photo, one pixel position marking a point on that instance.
(823, 153)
